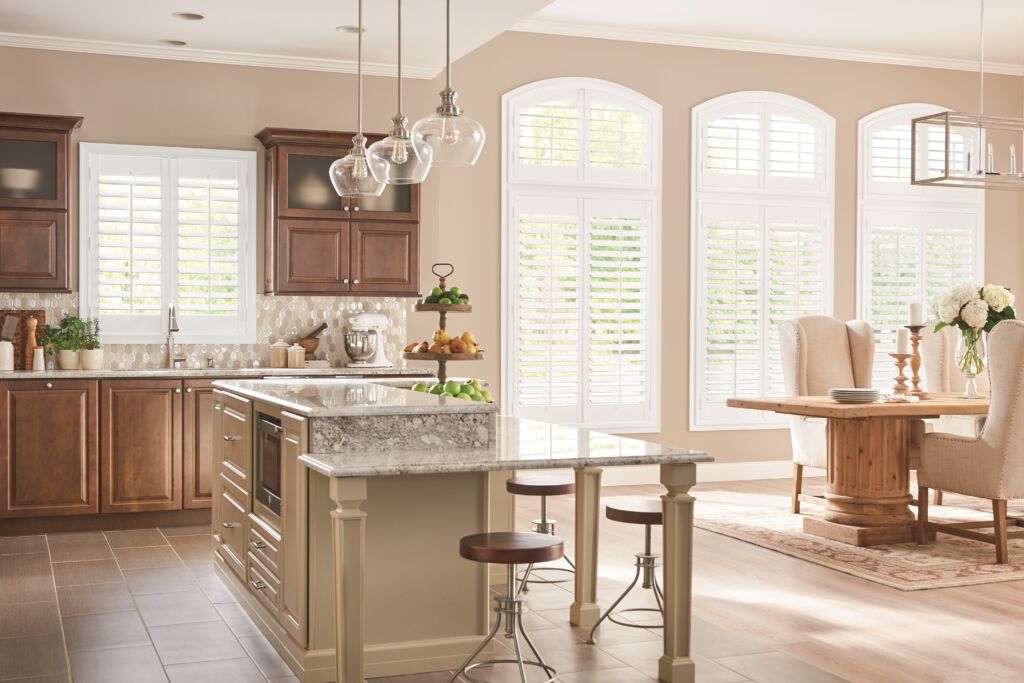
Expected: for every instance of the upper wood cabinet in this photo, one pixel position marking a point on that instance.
(312, 233)
(48, 448)
(34, 197)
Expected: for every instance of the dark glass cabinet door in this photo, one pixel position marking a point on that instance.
(304, 184)
(32, 170)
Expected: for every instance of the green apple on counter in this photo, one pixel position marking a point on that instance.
(470, 390)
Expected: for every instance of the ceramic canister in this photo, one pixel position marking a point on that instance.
(6, 356)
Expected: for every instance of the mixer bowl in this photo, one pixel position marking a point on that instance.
(360, 345)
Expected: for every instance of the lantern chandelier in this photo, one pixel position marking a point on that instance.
(954, 149)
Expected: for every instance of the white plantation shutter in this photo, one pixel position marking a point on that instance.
(163, 225)
(915, 243)
(763, 205)
(580, 310)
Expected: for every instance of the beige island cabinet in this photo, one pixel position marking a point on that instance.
(339, 506)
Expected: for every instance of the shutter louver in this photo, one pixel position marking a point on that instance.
(733, 145)
(894, 249)
(548, 134)
(618, 138)
(128, 242)
(792, 148)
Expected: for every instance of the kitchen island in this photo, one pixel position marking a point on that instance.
(359, 571)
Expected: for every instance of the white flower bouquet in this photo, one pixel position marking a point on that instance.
(973, 310)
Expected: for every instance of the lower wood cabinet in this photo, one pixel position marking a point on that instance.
(48, 448)
(197, 442)
(142, 445)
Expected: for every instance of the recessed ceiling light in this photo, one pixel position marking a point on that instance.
(172, 43)
(348, 29)
(188, 16)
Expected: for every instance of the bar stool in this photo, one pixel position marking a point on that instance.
(646, 511)
(509, 548)
(543, 486)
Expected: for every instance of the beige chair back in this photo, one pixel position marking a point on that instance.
(1003, 435)
(938, 356)
(821, 353)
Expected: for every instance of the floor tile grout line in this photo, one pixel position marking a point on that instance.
(60, 617)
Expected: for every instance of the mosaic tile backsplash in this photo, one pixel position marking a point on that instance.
(278, 317)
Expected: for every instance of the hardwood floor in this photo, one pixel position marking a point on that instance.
(144, 606)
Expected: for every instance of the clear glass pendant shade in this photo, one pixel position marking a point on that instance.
(395, 161)
(453, 140)
(351, 174)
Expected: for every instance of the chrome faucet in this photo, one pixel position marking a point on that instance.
(175, 361)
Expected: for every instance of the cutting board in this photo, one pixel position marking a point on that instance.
(19, 340)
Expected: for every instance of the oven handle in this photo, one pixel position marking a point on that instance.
(268, 426)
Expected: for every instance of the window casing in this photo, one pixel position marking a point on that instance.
(914, 242)
(763, 205)
(581, 249)
(162, 225)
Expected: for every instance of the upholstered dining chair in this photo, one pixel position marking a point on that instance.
(938, 353)
(990, 465)
(820, 353)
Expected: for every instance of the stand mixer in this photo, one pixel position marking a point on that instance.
(364, 341)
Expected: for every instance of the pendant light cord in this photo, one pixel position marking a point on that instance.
(359, 72)
(448, 44)
(399, 56)
(982, 32)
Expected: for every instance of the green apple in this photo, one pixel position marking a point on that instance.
(464, 298)
(478, 397)
(465, 397)
(452, 387)
(437, 389)
(455, 292)
(436, 291)
(445, 301)
(421, 386)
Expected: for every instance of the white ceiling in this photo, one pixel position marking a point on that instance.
(878, 29)
(289, 33)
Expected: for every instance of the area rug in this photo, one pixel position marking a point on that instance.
(764, 519)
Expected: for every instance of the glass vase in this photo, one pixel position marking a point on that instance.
(970, 358)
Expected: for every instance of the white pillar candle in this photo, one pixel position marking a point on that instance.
(916, 314)
(903, 340)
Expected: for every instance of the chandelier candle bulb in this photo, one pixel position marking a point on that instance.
(903, 341)
(990, 164)
(916, 313)
(1013, 159)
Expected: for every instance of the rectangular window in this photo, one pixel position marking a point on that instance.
(168, 225)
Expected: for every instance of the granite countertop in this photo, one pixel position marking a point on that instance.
(215, 372)
(348, 397)
(521, 445)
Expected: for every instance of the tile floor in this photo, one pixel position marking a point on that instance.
(144, 605)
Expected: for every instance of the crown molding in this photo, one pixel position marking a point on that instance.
(560, 28)
(187, 54)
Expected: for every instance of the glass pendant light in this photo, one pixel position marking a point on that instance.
(351, 175)
(455, 139)
(394, 160)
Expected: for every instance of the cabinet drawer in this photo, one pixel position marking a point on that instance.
(265, 545)
(263, 585)
(236, 433)
(232, 532)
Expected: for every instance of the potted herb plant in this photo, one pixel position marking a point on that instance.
(91, 357)
(66, 341)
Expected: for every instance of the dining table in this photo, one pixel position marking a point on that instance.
(867, 490)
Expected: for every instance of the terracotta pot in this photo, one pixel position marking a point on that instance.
(92, 359)
(67, 360)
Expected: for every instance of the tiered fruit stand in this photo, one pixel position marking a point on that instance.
(442, 359)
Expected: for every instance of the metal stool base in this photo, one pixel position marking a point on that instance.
(510, 609)
(545, 526)
(646, 564)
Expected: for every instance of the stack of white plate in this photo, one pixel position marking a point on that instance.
(853, 395)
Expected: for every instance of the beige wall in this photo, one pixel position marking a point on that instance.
(180, 103)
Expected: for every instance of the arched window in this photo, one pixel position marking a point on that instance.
(581, 249)
(914, 241)
(763, 202)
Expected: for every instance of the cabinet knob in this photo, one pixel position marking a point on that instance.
(355, 282)
(228, 437)
(259, 545)
(257, 585)
(49, 385)
(228, 525)
(188, 390)
(178, 390)
(355, 208)
(344, 281)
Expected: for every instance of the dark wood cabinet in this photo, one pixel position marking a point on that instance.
(34, 180)
(197, 441)
(48, 448)
(313, 236)
(141, 460)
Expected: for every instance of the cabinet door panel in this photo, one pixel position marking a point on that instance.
(304, 187)
(48, 448)
(33, 169)
(313, 256)
(396, 203)
(197, 441)
(293, 570)
(141, 460)
(385, 258)
(33, 250)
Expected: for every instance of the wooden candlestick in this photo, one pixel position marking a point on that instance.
(915, 361)
(900, 388)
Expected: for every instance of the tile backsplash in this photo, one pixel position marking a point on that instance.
(278, 317)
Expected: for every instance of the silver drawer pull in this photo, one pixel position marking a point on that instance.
(258, 585)
(49, 385)
(232, 438)
(259, 545)
(228, 525)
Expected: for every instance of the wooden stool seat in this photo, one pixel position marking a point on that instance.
(634, 510)
(540, 485)
(511, 547)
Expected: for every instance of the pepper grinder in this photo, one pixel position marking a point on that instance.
(30, 342)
